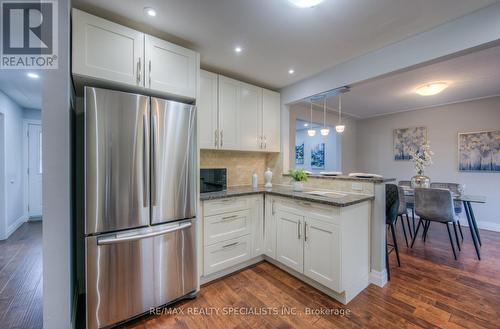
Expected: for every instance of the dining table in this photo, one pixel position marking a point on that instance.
(467, 201)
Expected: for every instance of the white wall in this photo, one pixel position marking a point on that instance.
(13, 213)
(332, 152)
(375, 149)
(32, 114)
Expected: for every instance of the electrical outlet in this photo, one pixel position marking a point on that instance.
(357, 186)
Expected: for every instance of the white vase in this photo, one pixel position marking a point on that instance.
(268, 177)
(298, 186)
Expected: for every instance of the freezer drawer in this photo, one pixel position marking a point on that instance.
(130, 272)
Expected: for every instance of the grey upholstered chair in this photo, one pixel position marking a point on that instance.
(391, 215)
(436, 205)
(403, 211)
(410, 200)
(457, 189)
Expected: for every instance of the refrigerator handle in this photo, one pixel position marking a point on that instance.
(145, 163)
(154, 192)
(125, 238)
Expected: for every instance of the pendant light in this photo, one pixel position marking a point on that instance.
(311, 131)
(324, 131)
(340, 127)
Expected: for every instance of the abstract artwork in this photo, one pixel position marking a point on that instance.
(406, 139)
(318, 156)
(299, 154)
(479, 151)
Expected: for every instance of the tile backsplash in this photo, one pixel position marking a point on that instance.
(240, 165)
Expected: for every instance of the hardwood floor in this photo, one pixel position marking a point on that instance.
(429, 290)
(21, 278)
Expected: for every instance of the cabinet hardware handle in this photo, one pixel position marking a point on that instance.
(230, 245)
(216, 137)
(265, 142)
(305, 231)
(226, 200)
(139, 71)
(260, 141)
(229, 217)
(298, 230)
(306, 203)
(272, 208)
(149, 73)
(221, 137)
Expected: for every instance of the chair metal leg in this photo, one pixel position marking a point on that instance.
(426, 230)
(404, 230)
(451, 241)
(413, 218)
(416, 233)
(456, 236)
(393, 231)
(387, 259)
(460, 229)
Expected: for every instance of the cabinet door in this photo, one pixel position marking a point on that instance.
(322, 252)
(107, 51)
(289, 240)
(207, 111)
(229, 124)
(271, 122)
(257, 222)
(270, 229)
(250, 117)
(170, 69)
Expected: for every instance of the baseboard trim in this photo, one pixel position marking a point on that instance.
(13, 227)
(488, 226)
(378, 278)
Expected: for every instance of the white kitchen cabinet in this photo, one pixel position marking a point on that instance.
(322, 251)
(107, 51)
(257, 215)
(208, 111)
(250, 117)
(270, 228)
(229, 121)
(289, 240)
(271, 120)
(222, 255)
(169, 68)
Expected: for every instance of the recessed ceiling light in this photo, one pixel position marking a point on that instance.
(306, 124)
(305, 3)
(238, 49)
(32, 75)
(291, 71)
(150, 11)
(430, 89)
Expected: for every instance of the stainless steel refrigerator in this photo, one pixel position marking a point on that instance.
(140, 204)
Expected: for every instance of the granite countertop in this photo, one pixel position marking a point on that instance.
(286, 191)
(375, 180)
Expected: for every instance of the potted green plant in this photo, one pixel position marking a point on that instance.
(299, 176)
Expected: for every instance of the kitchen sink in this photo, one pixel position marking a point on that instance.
(329, 194)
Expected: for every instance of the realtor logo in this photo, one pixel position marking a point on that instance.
(29, 34)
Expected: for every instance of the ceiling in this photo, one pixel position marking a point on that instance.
(471, 76)
(275, 36)
(26, 92)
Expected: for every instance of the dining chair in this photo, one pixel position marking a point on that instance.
(391, 215)
(410, 201)
(403, 211)
(436, 205)
(457, 189)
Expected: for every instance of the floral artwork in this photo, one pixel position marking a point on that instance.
(299, 154)
(479, 151)
(318, 156)
(422, 157)
(406, 139)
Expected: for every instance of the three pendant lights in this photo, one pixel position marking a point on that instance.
(340, 127)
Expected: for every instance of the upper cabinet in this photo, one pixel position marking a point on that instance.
(247, 117)
(115, 54)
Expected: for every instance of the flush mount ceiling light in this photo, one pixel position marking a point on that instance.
(324, 131)
(430, 89)
(150, 11)
(32, 75)
(340, 127)
(305, 3)
(311, 131)
(238, 49)
(291, 71)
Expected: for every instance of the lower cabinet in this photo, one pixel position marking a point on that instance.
(225, 254)
(290, 242)
(270, 228)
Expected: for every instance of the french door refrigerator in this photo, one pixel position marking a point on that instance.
(140, 204)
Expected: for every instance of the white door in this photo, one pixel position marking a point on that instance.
(229, 124)
(207, 111)
(289, 240)
(322, 252)
(34, 170)
(170, 68)
(250, 117)
(106, 50)
(271, 122)
(270, 229)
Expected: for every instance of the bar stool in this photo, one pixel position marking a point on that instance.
(391, 215)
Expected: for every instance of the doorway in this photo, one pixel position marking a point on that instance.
(33, 169)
